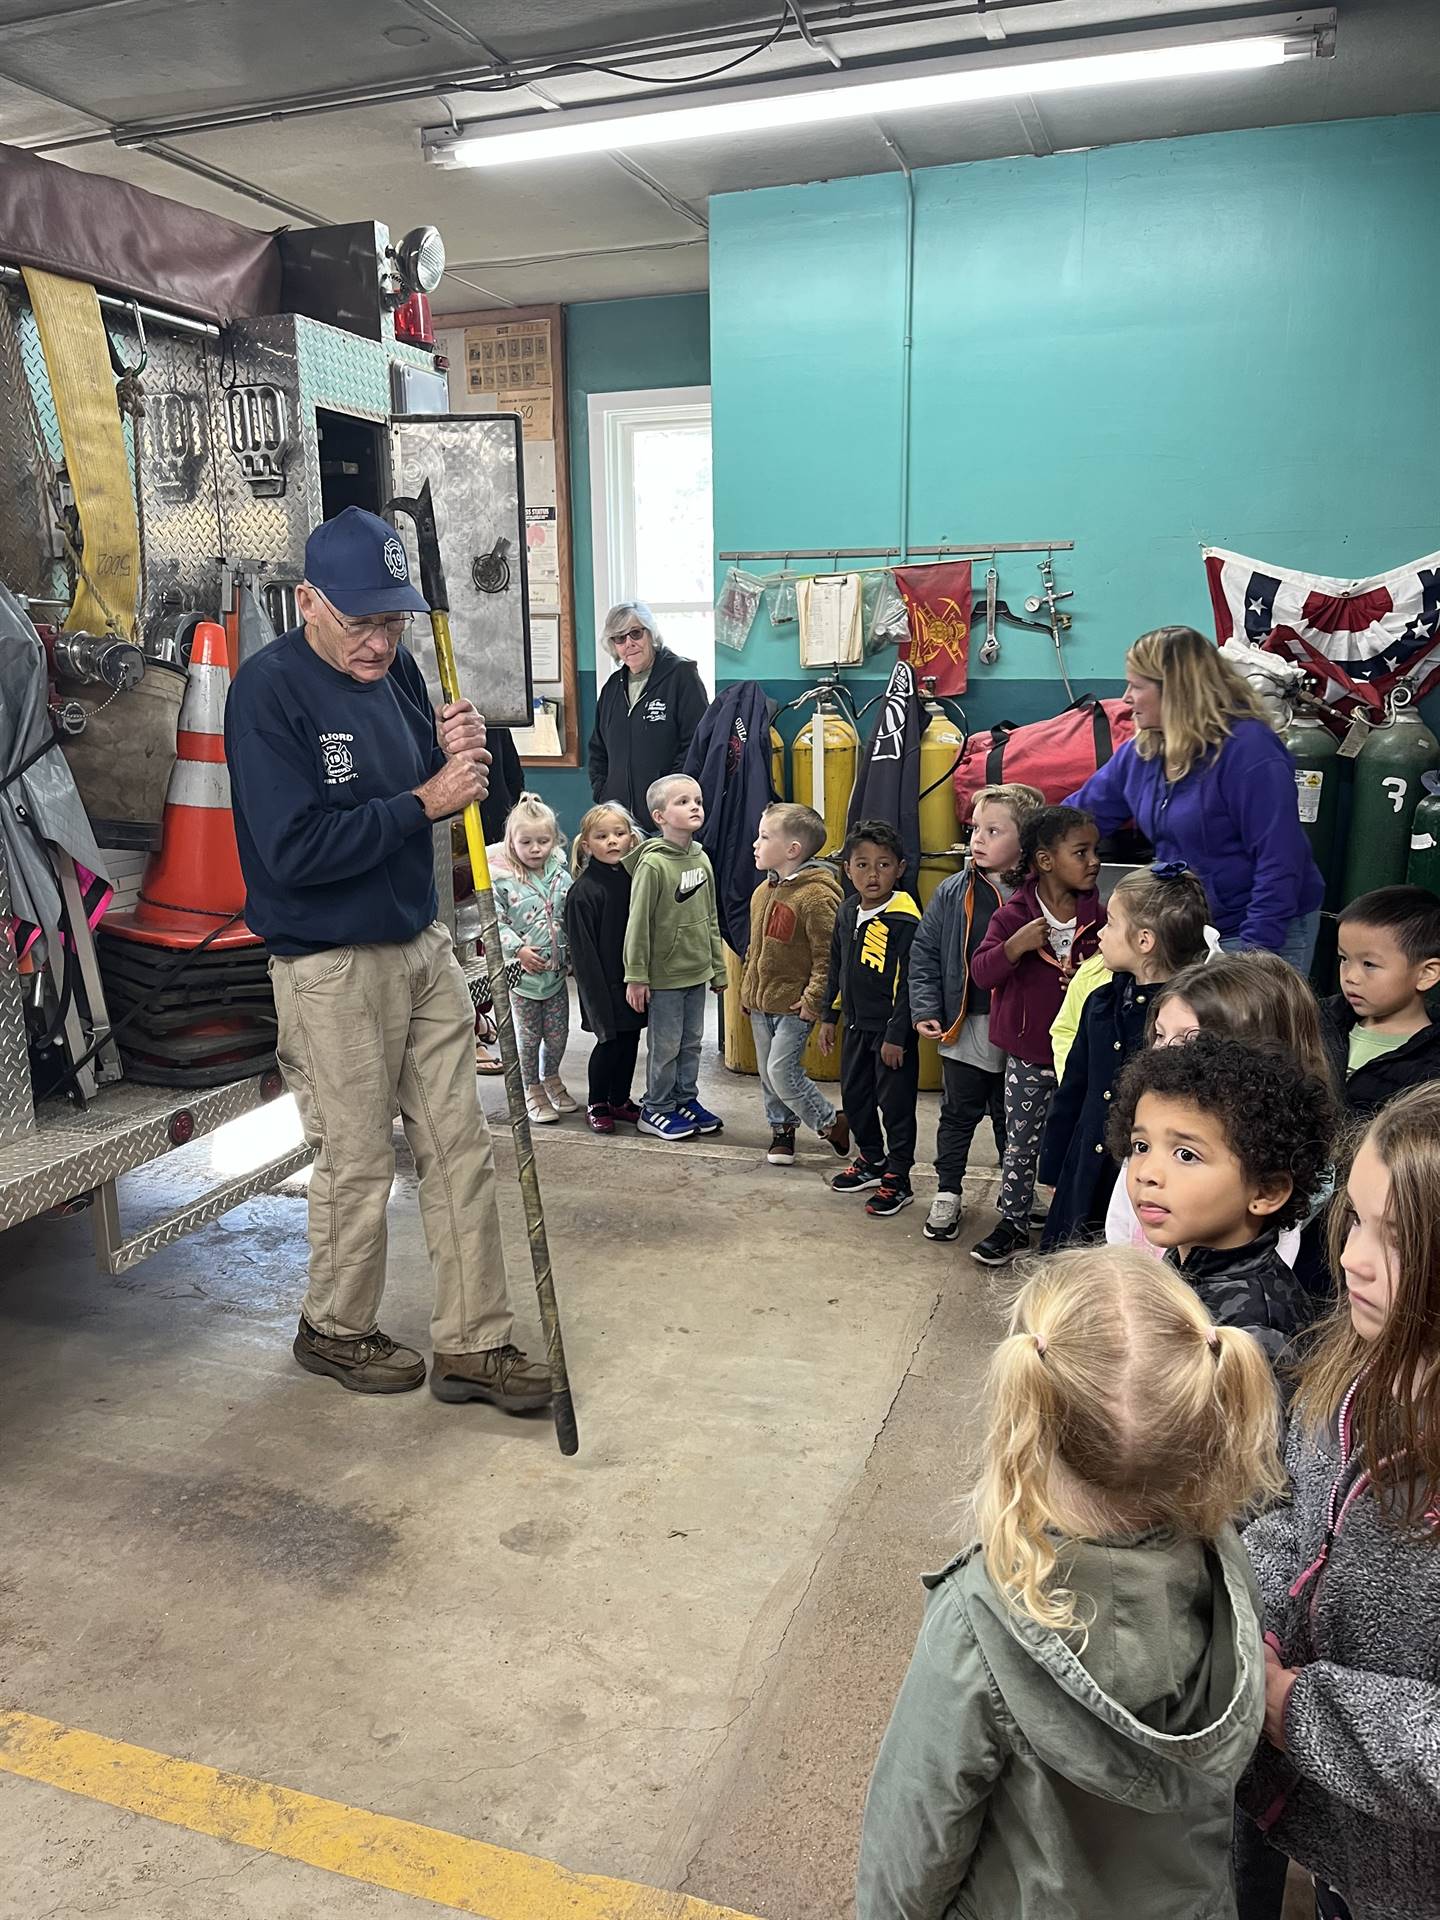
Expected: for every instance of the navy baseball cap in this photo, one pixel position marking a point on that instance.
(359, 563)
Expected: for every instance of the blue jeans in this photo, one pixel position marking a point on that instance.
(677, 1027)
(790, 1094)
(1298, 946)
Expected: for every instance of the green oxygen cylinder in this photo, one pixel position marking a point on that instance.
(1424, 867)
(1387, 792)
(1318, 773)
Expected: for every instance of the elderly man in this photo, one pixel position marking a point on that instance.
(338, 770)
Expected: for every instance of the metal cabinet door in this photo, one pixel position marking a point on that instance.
(474, 463)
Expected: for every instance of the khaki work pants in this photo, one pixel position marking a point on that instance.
(362, 1030)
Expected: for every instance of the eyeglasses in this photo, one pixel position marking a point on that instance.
(633, 633)
(387, 627)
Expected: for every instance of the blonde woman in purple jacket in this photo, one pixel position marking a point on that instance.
(1209, 783)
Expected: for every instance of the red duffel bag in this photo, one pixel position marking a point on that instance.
(1057, 756)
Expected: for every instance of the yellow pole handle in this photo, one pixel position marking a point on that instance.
(566, 1429)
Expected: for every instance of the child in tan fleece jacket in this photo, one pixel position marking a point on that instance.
(792, 916)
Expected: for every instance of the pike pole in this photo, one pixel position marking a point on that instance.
(432, 585)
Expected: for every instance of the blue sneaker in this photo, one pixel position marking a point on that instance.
(701, 1118)
(665, 1126)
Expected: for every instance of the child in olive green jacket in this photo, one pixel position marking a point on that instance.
(1089, 1682)
(672, 953)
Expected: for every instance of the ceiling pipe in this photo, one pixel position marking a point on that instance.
(502, 75)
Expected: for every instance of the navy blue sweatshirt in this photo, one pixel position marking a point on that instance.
(335, 847)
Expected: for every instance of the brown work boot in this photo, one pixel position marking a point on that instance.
(838, 1134)
(502, 1375)
(372, 1365)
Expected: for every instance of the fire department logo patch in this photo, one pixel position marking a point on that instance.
(395, 561)
(338, 760)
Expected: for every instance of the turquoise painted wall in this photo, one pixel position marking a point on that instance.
(612, 346)
(1227, 339)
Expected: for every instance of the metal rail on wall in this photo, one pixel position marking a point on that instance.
(893, 553)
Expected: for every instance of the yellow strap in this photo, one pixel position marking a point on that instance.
(72, 335)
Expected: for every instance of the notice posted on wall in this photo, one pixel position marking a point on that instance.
(513, 360)
(545, 649)
(542, 542)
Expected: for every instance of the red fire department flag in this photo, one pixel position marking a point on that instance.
(938, 602)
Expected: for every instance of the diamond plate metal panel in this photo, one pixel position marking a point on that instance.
(472, 462)
(70, 1152)
(26, 544)
(210, 1206)
(17, 1114)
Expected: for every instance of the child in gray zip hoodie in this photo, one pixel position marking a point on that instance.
(1089, 1680)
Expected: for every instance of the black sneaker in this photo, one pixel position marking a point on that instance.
(856, 1177)
(894, 1195)
(1001, 1244)
(782, 1147)
(1038, 1217)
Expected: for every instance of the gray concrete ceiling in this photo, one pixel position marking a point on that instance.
(287, 111)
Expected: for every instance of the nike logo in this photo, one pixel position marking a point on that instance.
(690, 883)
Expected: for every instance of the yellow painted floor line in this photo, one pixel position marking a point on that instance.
(465, 1875)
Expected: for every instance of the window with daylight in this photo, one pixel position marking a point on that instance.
(650, 508)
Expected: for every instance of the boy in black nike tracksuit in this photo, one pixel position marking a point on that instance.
(880, 1055)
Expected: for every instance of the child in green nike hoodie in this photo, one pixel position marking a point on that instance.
(1089, 1682)
(672, 952)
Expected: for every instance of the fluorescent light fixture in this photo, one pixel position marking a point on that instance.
(807, 102)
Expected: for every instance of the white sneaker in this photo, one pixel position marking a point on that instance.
(558, 1095)
(943, 1220)
(537, 1105)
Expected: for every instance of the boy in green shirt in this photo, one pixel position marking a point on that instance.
(1378, 1031)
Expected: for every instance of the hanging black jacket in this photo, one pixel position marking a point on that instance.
(1367, 1090)
(596, 910)
(507, 781)
(1073, 1158)
(730, 757)
(631, 748)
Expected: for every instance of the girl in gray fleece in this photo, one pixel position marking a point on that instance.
(1089, 1680)
(1347, 1777)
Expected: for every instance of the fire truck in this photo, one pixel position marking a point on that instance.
(181, 400)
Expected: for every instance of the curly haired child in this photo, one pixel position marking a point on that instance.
(1034, 944)
(1088, 1684)
(1226, 1145)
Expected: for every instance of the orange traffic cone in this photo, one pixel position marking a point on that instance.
(193, 885)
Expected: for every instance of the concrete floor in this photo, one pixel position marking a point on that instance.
(669, 1660)
(424, 1609)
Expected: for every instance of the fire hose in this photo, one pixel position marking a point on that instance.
(432, 585)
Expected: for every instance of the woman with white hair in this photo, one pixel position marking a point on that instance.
(646, 713)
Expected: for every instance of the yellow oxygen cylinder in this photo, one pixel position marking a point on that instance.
(940, 748)
(825, 785)
(777, 762)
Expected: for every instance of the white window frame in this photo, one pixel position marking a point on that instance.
(614, 420)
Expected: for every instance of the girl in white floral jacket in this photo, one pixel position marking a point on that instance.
(530, 907)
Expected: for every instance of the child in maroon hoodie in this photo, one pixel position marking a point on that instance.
(1033, 946)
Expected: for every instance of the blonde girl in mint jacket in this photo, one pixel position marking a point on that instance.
(1089, 1682)
(530, 907)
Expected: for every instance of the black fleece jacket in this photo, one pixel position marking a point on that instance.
(1367, 1090)
(631, 748)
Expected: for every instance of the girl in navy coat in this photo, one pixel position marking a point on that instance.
(596, 911)
(1155, 925)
